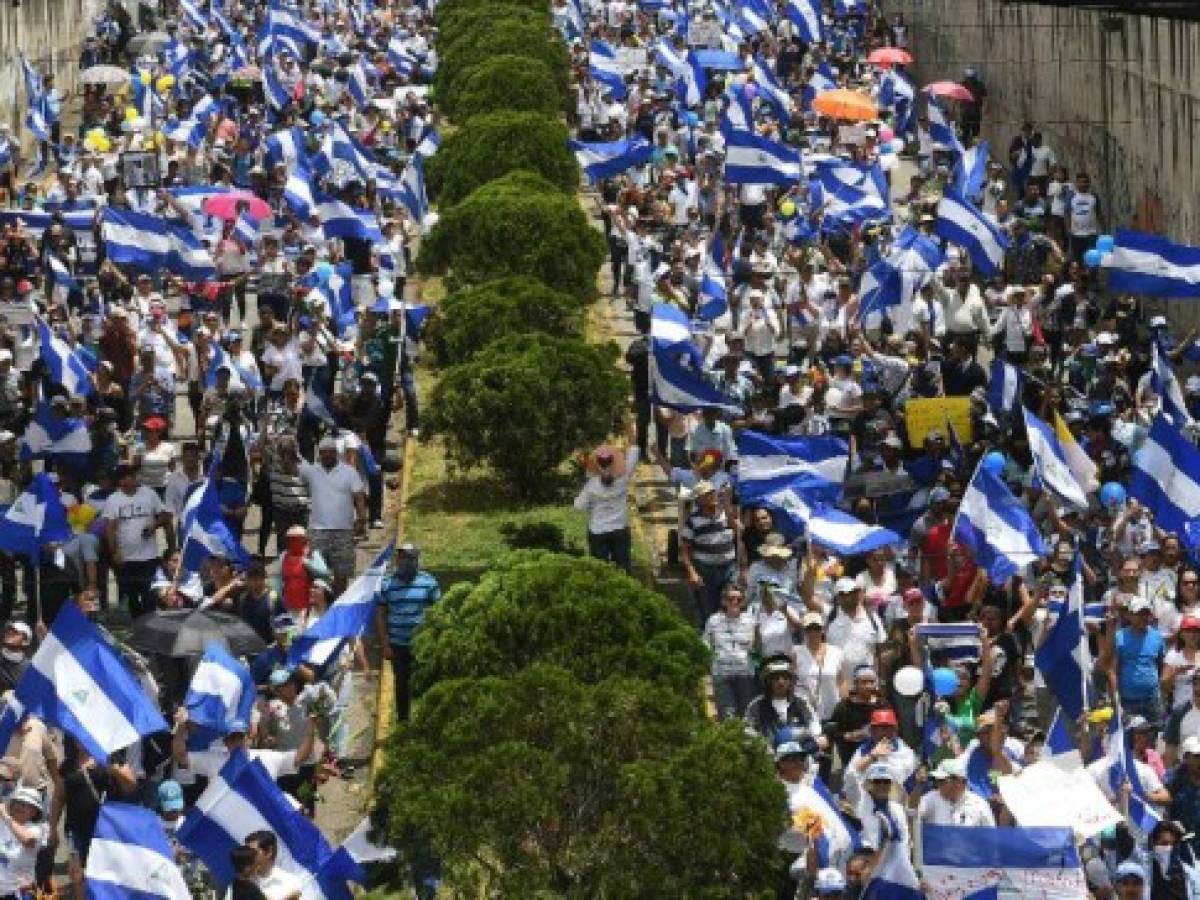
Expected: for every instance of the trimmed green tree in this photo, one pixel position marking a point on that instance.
(581, 614)
(506, 35)
(516, 225)
(449, 8)
(490, 146)
(534, 786)
(468, 320)
(523, 405)
(467, 24)
(508, 82)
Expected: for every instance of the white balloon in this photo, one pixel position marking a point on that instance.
(386, 287)
(909, 681)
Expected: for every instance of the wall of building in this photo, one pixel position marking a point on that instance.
(1117, 95)
(50, 33)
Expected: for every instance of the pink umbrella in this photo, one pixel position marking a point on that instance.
(949, 89)
(225, 206)
(890, 56)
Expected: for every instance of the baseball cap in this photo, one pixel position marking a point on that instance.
(1191, 746)
(789, 748)
(829, 881)
(22, 629)
(843, 360)
(912, 595)
(1139, 605)
(1130, 869)
(880, 772)
(845, 586)
(949, 768)
(883, 717)
(812, 620)
(170, 796)
(939, 495)
(1189, 623)
(703, 487)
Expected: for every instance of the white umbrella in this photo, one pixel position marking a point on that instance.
(104, 75)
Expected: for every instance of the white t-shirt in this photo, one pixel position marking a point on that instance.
(969, 809)
(133, 515)
(16, 870)
(818, 681)
(332, 492)
(207, 763)
(279, 885)
(1183, 679)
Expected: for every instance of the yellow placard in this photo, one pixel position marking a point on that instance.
(926, 414)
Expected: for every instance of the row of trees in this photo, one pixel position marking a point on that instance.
(558, 746)
(520, 389)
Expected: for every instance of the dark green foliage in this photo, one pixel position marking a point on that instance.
(521, 36)
(507, 82)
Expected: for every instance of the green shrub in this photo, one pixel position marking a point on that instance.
(516, 225)
(525, 404)
(493, 145)
(467, 321)
(506, 35)
(465, 25)
(507, 82)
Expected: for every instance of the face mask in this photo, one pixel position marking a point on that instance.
(14, 656)
(1163, 855)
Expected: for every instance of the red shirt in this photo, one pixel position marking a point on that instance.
(935, 548)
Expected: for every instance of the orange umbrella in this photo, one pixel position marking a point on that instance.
(890, 56)
(841, 103)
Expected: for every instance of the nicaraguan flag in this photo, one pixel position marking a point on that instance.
(358, 86)
(286, 147)
(246, 229)
(36, 222)
(130, 857)
(996, 527)
(1050, 462)
(970, 172)
(680, 386)
(278, 96)
(317, 403)
(1143, 263)
(299, 193)
(64, 441)
(66, 367)
(340, 220)
(347, 619)
(243, 799)
(1004, 387)
(1166, 385)
(846, 535)
(1030, 862)
(135, 239)
(1122, 768)
(604, 160)
(35, 519)
(847, 195)
(429, 144)
(220, 697)
(239, 378)
(771, 91)
(838, 838)
(193, 198)
(959, 222)
(187, 257)
(1064, 658)
(899, 95)
(750, 159)
(412, 194)
(765, 461)
(714, 301)
(895, 281)
(193, 15)
(941, 130)
(603, 67)
(671, 329)
(60, 275)
(204, 532)
(738, 114)
(951, 642)
(1166, 476)
(77, 682)
(893, 877)
(807, 17)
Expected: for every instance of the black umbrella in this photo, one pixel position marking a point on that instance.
(186, 632)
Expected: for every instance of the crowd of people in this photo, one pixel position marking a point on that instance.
(213, 420)
(790, 344)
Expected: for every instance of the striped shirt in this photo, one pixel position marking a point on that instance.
(289, 492)
(711, 539)
(405, 603)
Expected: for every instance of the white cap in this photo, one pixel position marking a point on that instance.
(880, 771)
(1158, 322)
(1191, 746)
(845, 586)
(950, 768)
(1139, 604)
(1192, 385)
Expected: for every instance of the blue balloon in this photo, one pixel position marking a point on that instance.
(324, 272)
(691, 119)
(945, 682)
(317, 118)
(1112, 495)
(1091, 259)
(1105, 243)
(995, 462)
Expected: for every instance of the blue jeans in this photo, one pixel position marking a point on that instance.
(715, 577)
(733, 694)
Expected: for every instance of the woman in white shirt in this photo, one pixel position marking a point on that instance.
(156, 457)
(820, 675)
(1015, 326)
(730, 634)
(22, 835)
(1180, 663)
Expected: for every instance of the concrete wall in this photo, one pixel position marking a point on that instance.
(1117, 95)
(50, 33)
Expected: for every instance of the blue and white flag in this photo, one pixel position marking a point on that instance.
(245, 229)
(1004, 387)
(951, 642)
(129, 857)
(771, 91)
(317, 403)
(997, 528)
(846, 535)
(60, 276)
(242, 799)
(960, 222)
(678, 385)
(340, 220)
(604, 160)
(193, 15)
(838, 838)
(240, 378)
(204, 533)
(899, 95)
(134, 239)
(1050, 462)
(1166, 385)
(429, 144)
(345, 620)
(970, 174)
(35, 520)
(61, 440)
(1166, 476)
(1028, 862)
(846, 194)
(750, 159)
(893, 877)
(942, 132)
(66, 367)
(604, 68)
(77, 682)
(807, 17)
(1123, 768)
(671, 329)
(412, 194)
(738, 114)
(714, 301)
(221, 694)
(896, 281)
(1064, 658)
(286, 147)
(1143, 263)
(298, 191)
(766, 461)
(358, 86)
(187, 257)
(276, 92)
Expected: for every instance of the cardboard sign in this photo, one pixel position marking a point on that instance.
(1057, 793)
(926, 414)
